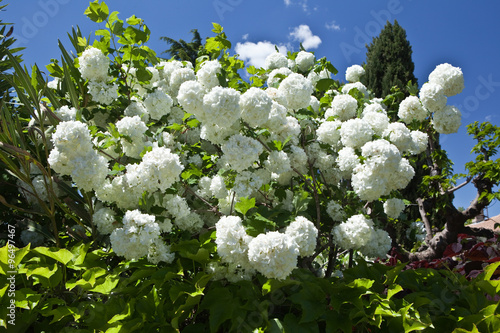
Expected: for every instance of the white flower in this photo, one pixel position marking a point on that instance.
(410, 109)
(343, 107)
(354, 73)
(347, 160)
(449, 77)
(304, 233)
(93, 65)
(241, 151)
(419, 140)
(432, 97)
(448, 120)
(355, 133)
(272, 80)
(104, 218)
(273, 254)
(358, 85)
(103, 92)
(354, 233)
(378, 121)
(221, 106)
(190, 97)
(65, 113)
(255, 106)
(278, 162)
(207, 74)
(335, 211)
(178, 77)
(275, 60)
(399, 135)
(158, 104)
(136, 108)
(378, 245)
(218, 187)
(329, 132)
(305, 60)
(296, 90)
(394, 207)
(232, 240)
(191, 222)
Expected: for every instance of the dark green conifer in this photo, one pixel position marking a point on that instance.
(388, 61)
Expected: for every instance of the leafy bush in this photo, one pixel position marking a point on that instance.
(181, 198)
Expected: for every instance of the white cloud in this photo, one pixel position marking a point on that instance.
(301, 3)
(304, 35)
(288, 2)
(244, 37)
(255, 54)
(332, 26)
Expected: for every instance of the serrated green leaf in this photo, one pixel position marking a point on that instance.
(244, 205)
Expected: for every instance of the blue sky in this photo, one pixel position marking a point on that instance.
(458, 32)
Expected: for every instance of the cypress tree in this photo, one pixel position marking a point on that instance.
(388, 61)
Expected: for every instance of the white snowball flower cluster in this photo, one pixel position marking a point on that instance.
(432, 97)
(449, 77)
(232, 240)
(103, 92)
(347, 160)
(335, 211)
(394, 207)
(247, 182)
(94, 65)
(329, 132)
(190, 97)
(104, 218)
(354, 73)
(448, 120)
(273, 254)
(65, 113)
(137, 108)
(353, 233)
(358, 85)
(304, 234)
(278, 162)
(343, 107)
(134, 128)
(355, 132)
(240, 151)
(399, 135)
(305, 60)
(158, 170)
(419, 140)
(140, 236)
(275, 76)
(158, 104)
(410, 109)
(296, 90)
(221, 106)
(378, 121)
(382, 171)
(73, 155)
(275, 60)
(444, 80)
(207, 74)
(378, 245)
(255, 107)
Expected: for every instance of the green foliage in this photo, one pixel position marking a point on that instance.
(388, 61)
(75, 282)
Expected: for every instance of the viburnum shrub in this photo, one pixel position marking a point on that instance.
(227, 173)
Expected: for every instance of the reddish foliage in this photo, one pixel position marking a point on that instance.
(468, 256)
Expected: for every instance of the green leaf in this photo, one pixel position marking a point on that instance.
(324, 84)
(244, 205)
(312, 300)
(133, 20)
(97, 12)
(61, 255)
(217, 28)
(221, 304)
